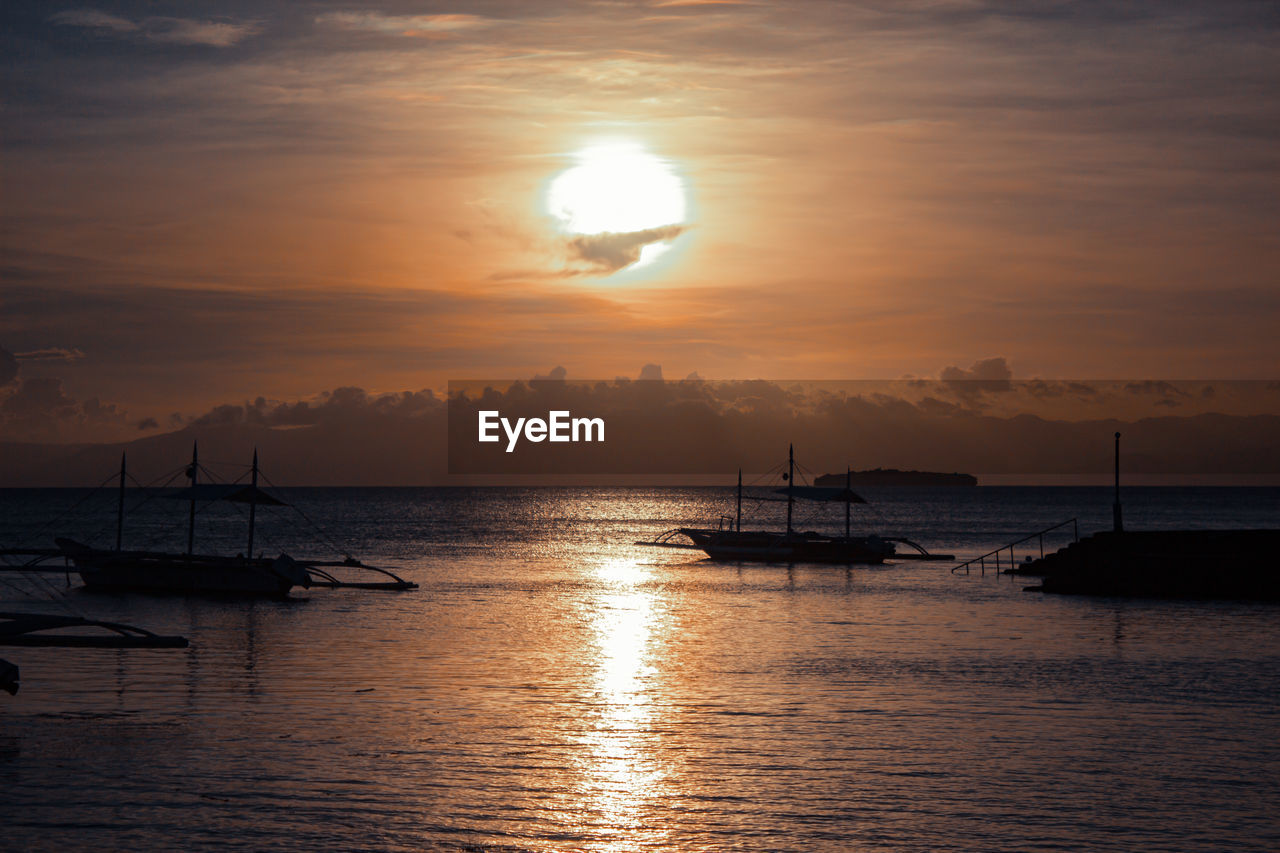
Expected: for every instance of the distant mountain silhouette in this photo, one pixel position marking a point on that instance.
(654, 431)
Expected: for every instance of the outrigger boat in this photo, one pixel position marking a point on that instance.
(730, 542)
(27, 629)
(192, 573)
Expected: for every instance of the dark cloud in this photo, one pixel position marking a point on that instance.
(39, 410)
(37, 397)
(8, 367)
(148, 423)
(340, 405)
(612, 252)
(182, 31)
(557, 374)
(1049, 389)
(1155, 386)
(989, 374)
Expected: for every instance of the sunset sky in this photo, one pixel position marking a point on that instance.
(278, 200)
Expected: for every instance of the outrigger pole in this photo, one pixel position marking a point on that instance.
(791, 479)
(848, 483)
(193, 472)
(253, 503)
(739, 524)
(120, 508)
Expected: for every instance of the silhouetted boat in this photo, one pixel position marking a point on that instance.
(189, 572)
(880, 477)
(791, 547)
(28, 630)
(729, 541)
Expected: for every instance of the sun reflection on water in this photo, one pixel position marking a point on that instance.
(622, 776)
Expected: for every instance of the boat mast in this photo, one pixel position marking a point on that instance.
(253, 502)
(848, 475)
(191, 521)
(120, 507)
(791, 479)
(739, 500)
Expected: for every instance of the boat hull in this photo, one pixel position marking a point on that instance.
(183, 574)
(765, 547)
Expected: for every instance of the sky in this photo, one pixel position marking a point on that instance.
(204, 205)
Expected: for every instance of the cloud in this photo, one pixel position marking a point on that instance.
(8, 367)
(993, 374)
(611, 252)
(342, 405)
(187, 31)
(39, 410)
(1155, 386)
(428, 26)
(93, 19)
(1049, 389)
(670, 4)
(148, 423)
(988, 376)
(39, 396)
(557, 374)
(51, 354)
(651, 372)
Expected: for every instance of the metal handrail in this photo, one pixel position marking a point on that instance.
(982, 560)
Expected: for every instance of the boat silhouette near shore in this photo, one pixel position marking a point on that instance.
(188, 572)
(729, 542)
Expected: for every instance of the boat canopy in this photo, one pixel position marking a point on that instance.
(237, 492)
(826, 494)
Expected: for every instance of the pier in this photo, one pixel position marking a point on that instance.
(1228, 564)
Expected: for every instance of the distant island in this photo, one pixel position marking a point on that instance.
(894, 477)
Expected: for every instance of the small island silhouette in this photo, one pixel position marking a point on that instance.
(895, 477)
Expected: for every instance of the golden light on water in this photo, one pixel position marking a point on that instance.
(623, 773)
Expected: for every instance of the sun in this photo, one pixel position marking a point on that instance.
(620, 188)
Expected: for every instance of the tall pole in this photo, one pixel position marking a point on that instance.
(791, 479)
(848, 474)
(739, 500)
(120, 506)
(193, 473)
(1117, 521)
(253, 502)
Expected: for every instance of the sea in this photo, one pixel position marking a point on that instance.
(554, 686)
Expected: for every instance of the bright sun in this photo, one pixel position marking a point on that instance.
(618, 188)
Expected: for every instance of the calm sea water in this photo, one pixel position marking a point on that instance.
(554, 687)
